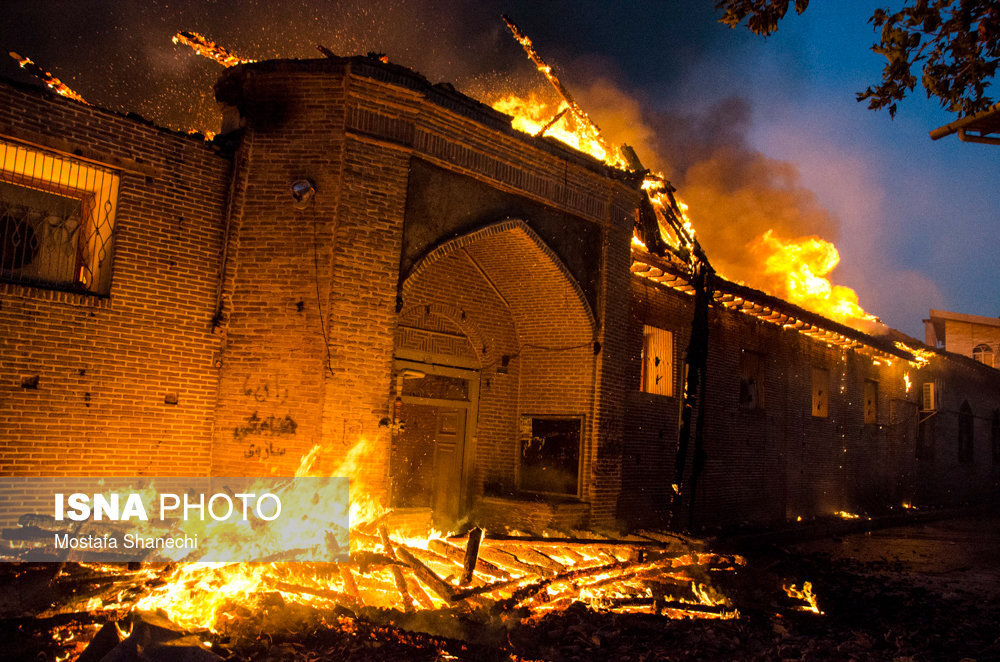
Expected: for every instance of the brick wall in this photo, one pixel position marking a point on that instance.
(110, 369)
(943, 475)
(355, 129)
(963, 337)
(781, 462)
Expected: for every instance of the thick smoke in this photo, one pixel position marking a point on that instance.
(735, 193)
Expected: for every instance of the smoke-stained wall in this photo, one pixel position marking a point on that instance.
(400, 168)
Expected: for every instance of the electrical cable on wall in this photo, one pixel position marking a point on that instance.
(304, 194)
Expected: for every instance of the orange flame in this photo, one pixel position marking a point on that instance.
(537, 117)
(54, 83)
(806, 595)
(797, 269)
(207, 48)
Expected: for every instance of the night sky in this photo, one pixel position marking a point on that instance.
(753, 132)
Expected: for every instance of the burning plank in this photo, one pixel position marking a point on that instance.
(54, 83)
(471, 556)
(611, 155)
(207, 48)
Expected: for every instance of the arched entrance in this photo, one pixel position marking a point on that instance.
(494, 336)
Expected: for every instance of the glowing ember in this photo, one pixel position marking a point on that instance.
(207, 48)
(391, 572)
(806, 595)
(54, 83)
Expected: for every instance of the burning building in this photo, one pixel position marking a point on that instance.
(363, 257)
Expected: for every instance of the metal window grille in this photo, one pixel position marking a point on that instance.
(56, 220)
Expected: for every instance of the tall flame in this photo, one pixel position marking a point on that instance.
(797, 269)
(534, 116)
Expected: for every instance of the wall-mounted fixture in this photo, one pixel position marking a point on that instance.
(303, 191)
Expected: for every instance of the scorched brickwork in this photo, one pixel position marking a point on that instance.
(381, 276)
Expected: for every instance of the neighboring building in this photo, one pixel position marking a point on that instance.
(974, 336)
(366, 257)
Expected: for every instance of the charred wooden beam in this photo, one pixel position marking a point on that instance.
(541, 542)
(548, 125)
(507, 560)
(350, 586)
(53, 83)
(482, 565)
(471, 556)
(574, 107)
(428, 576)
(419, 594)
(400, 581)
(329, 594)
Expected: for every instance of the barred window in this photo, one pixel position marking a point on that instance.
(57, 219)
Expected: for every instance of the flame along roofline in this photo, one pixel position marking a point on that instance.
(769, 308)
(228, 90)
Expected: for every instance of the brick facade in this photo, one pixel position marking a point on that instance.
(244, 327)
(123, 384)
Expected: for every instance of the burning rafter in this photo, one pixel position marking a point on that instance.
(741, 298)
(612, 155)
(54, 83)
(207, 48)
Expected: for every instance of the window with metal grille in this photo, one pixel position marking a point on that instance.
(57, 219)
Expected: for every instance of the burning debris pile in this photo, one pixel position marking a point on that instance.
(472, 587)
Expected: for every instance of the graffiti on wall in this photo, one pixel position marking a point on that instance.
(265, 392)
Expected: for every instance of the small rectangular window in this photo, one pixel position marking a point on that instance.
(871, 401)
(57, 219)
(751, 380)
(966, 429)
(995, 435)
(820, 392)
(550, 456)
(657, 361)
